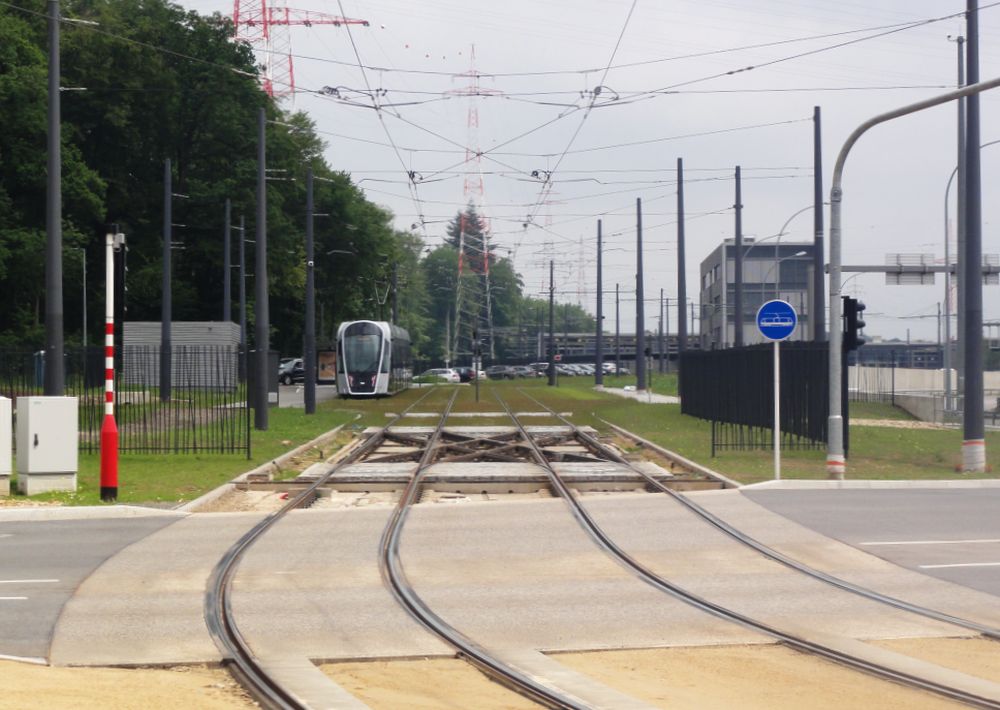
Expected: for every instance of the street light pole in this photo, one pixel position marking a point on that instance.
(640, 319)
(166, 300)
(618, 333)
(262, 327)
(738, 276)
(682, 323)
(835, 462)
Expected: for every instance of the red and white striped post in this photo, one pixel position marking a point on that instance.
(109, 429)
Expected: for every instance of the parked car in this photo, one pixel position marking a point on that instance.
(445, 374)
(465, 374)
(291, 370)
(542, 368)
(500, 372)
(524, 371)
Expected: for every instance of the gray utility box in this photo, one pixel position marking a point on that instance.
(6, 434)
(47, 441)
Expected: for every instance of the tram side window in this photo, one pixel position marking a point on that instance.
(386, 357)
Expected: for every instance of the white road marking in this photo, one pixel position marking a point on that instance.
(28, 581)
(932, 542)
(12, 599)
(6, 534)
(962, 564)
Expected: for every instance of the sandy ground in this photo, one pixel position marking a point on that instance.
(765, 677)
(41, 687)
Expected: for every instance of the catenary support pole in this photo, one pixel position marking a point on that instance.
(552, 324)
(974, 442)
(243, 300)
(738, 266)
(640, 318)
(166, 296)
(659, 344)
(109, 429)
(262, 329)
(309, 346)
(599, 341)
(682, 321)
(227, 266)
(835, 462)
(55, 374)
(618, 332)
(817, 315)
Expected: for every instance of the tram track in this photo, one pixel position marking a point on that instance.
(769, 552)
(237, 655)
(798, 642)
(395, 578)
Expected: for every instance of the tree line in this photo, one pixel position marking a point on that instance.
(152, 81)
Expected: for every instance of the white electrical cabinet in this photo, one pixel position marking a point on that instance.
(6, 436)
(47, 440)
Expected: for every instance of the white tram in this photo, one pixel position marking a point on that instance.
(373, 359)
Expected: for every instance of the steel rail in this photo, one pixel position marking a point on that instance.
(770, 552)
(604, 541)
(236, 653)
(396, 580)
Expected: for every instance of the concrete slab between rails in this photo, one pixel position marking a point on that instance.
(902, 663)
(90, 512)
(798, 485)
(474, 415)
(308, 684)
(566, 681)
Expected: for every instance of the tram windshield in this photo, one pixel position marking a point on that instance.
(362, 348)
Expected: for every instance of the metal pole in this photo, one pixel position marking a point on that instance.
(738, 276)
(166, 296)
(666, 330)
(640, 319)
(974, 443)
(961, 256)
(817, 313)
(777, 410)
(659, 343)
(552, 325)
(395, 295)
(262, 329)
(682, 322)
(309, 356)
(599, 343)
(55, 375)
(835, 463)
(83, 254)
(243, 300)
(227, 277)
(618, 333)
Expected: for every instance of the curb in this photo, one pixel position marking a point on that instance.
(674, 456)
(808, 485)
(269, 467)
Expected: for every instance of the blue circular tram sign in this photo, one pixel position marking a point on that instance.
(776, 320)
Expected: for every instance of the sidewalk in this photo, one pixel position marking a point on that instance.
(645, 396)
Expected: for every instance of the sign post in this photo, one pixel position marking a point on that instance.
(776, 321)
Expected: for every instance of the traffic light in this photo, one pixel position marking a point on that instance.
(853, 323)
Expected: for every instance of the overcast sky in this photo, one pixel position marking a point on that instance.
(541, 62)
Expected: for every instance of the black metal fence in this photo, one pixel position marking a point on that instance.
(205, 410)
(734, 389)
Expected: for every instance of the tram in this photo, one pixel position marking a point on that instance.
(373, 359)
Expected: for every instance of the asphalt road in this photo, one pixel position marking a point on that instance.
(950, 533)
(42, 562)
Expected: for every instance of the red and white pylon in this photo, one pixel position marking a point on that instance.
(109, 429)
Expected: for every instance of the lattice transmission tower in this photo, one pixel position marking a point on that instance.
(265, 27)
(474, 193)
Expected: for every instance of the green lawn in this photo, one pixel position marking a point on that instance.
(876, 452)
